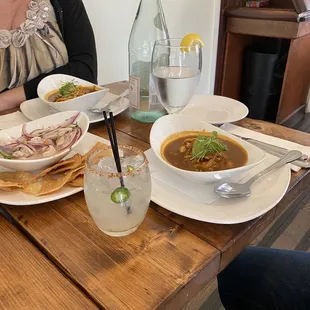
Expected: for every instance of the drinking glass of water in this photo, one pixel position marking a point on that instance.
(117, 202)
(176, 73)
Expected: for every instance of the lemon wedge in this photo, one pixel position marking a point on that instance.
(190, 40)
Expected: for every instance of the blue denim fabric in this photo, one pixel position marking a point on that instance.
(266, 279)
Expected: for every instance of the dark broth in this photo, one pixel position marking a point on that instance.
(236, 154)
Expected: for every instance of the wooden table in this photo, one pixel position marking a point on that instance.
(166, 264)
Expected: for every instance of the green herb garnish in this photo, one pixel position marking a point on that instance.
(120, 195)
(68, 89)
(205, 145)
(5, 155)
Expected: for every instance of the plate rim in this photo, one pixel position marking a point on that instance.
(54, 196)
(91, 121)
(170, 199)
(231, 120)
(223, 222)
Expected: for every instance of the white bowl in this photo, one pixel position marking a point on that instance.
(82, 103)
(170, 124)
(38, 164)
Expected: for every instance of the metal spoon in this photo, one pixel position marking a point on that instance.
(110, 104)
(238, 190)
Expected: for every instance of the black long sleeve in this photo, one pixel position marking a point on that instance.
(80, 42)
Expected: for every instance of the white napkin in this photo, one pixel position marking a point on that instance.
(203, 193)
(108, 98)
(12, 119)
(246, 133)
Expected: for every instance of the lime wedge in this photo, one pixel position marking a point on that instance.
(130, 168)
(120, 195)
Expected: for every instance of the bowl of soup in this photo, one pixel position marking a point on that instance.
(199, 151)
(66, 93)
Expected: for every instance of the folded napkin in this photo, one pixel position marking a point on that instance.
(246, 133)
(12, 119)
(108, 98)
(203, 193)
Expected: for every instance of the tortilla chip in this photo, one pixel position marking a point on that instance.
(76, 159)
(9, 186)
(71, 166)
(17, 177)
(78, 172)
(98, 146)
(47, 185)
(69, 171)
(77, 182)
(10, 189)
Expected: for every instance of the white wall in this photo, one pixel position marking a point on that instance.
(112, 21)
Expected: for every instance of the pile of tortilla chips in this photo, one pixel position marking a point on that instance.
(67, 172)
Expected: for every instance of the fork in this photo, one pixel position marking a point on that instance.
(277, 151)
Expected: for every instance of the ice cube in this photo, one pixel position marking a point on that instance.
(135, 161)
(107, 164)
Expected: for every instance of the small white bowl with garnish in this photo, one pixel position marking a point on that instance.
(42, 143)
(66, 93)
(199, 151)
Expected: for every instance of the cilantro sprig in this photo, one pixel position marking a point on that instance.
(68, 89)
(206, 145)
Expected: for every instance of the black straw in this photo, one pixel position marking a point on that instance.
(110, 124)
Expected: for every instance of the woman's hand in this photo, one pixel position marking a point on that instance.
(12, 98)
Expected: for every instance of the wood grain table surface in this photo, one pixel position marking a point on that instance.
(166, 264)
(28, 280)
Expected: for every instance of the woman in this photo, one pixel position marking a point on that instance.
(39, 38)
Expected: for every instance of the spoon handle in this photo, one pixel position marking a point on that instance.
(287, 158)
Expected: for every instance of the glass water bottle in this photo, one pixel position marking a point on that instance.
(149, 26)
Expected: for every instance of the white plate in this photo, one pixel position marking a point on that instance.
(266, 194)
(215, 110)
(19, 198)
(35, 108)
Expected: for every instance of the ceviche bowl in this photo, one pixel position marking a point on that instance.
(71, 92)
(41, 143)
(172, 134)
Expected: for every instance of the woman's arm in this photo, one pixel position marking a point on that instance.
(80, 42)
(12, 98)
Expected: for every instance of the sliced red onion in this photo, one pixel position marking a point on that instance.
(40, 140)
(70, 121)
(73, 137)
(25, 133)
(80, 132)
